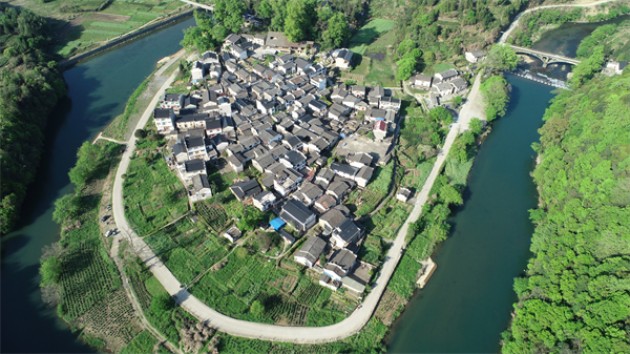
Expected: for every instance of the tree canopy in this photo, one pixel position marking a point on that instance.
(500, 58)
(496, 96)
(576, 295)
(30, 86)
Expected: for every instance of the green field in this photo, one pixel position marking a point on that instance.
(144, 342)
(154, 196)
(369, 33)
(373, 44)
(83, 24)
(288, 297)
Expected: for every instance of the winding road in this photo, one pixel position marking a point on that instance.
(305, 335)
(223, 323)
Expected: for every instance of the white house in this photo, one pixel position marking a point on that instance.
(264, 200)
(342, 57)
(164, 119)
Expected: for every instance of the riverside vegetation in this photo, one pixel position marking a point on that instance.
(77, 275)
(575, 295)
(534, 24)
(30, 87)
(79, 25)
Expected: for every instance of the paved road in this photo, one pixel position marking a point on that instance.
(474, 106)
(203, 6)
(201, 311)
(516, 21)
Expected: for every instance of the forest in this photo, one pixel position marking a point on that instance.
(30, 86)
(329, 23)
(575, 296)
(430, 32)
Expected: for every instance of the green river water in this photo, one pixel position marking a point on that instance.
(97, 90)
(468, 300)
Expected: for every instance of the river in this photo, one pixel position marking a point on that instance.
(467, 303)
(565, 40)
(98, 90)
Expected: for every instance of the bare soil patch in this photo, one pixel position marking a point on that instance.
(388, 307)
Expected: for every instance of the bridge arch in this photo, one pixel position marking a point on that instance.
(556, 62)
(531, 55)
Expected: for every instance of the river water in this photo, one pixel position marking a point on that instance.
(98, 90)
(467, 302)
(565, 40)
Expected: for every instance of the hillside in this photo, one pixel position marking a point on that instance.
(30, 86)
(576, 295)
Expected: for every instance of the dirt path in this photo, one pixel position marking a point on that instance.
(101, 137)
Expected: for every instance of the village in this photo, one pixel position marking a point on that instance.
(270, 107)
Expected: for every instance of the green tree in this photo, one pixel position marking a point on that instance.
(587, 68)
(257, 309)
(500, 58)
(299, 19)
(249, 218)
(50, 271)
(66, 207)
(496, 96)
(450, 195)
(408, 64)
(476, 126)
(229, 13)
(337, 31)
(87, 159)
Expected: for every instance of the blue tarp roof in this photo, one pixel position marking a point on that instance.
(277, 223)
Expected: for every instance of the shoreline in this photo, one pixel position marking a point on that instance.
(124, 39)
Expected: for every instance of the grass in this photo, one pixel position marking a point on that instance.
(288, 296)
(439, 67)
(366, 200)
(368, 34)
(88, 285)
(83, 24)
(144, 342)
(373, 43)
(154, 196)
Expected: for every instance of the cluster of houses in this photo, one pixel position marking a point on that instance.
(282, 118)
(442, 84)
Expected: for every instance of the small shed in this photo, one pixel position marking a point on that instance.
(277, 223)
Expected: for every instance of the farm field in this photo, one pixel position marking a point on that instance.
(153, 194)
(83, 24)
(376, 65)
(287, 296)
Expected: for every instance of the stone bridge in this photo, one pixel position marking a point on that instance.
(546, 58)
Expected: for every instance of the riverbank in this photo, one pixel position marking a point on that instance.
(97, 91)
(541, 19)
(468, 301)
(121, 127)
(125, 38)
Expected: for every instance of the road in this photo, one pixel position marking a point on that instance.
(516, 21)
(201, 311)
(203, 6)
(474, 106)
(100, 136)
